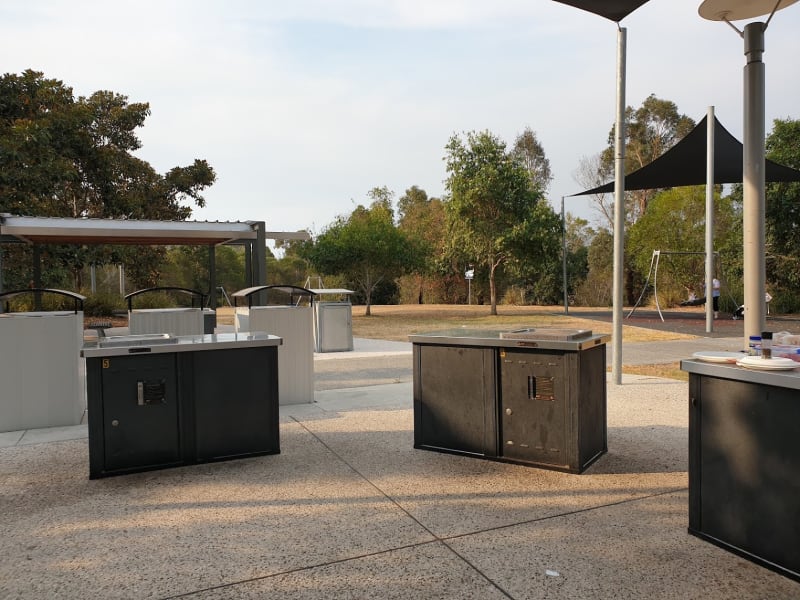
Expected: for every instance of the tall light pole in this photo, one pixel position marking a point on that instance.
(753, 156)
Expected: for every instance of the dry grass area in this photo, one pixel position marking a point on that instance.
(397, 322)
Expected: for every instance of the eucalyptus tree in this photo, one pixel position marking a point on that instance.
(493, 215)
(366, 247)
(650, 131)
(62, 156)
(529, 151)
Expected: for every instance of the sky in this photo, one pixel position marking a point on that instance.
(303, 106)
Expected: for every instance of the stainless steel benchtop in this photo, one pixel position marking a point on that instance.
(785, 379)
(504, 339)
(159, 344)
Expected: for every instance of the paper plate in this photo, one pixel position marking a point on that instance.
(767, 364)
(718, 357)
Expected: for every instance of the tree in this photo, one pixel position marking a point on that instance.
(536, 264)
(491, 213)
(366, 247)
(530, 153)
(422, 220)
(590, 174)
(596, 289)
(783, 216)
(684, 209)
(62, 156)
(650, 130)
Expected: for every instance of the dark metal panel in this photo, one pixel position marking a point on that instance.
(140, 416)
(695, 445)
(747, 460)
(237, 414)
(589, 388)
(452, 391)
(534, 415)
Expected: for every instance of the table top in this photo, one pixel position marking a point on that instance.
(492, 338)
(785, 379)
(149, 344)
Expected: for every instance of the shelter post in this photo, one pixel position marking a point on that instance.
(710, 123)
(212, 277)
(37, 276)
(619, 211)
(260, 259)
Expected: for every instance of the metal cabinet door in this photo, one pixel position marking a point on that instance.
(140, 411)
(533, 407)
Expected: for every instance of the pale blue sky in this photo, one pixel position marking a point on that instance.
(301, 107)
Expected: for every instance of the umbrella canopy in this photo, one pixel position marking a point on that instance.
(685, 164)
(616, 10)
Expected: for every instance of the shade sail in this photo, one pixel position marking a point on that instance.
(616, 10)
(685, 164)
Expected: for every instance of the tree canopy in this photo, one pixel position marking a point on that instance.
(650, 130)
(62, 156)
(366, 247)
(783, 214)
(492, 210)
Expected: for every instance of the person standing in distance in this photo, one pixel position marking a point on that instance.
(715, 296)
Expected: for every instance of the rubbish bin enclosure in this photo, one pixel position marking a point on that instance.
(164, 401)
(293, 322)
(333, 320)
(533, 401)
(193, 320)
(40, 366)
(743, 462)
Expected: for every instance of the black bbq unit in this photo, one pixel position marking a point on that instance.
(744, 462)
(156, 402)
(537, 402)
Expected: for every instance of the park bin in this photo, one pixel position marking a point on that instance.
(285, 311)
(192, 320)
(333, 320)
(41, 374)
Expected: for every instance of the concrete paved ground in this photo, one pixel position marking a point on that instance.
(350, 510)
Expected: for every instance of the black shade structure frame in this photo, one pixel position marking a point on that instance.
(685, 164)
(614, 10)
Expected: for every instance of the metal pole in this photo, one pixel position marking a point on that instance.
(753, 168)
(619, 211)
(564, 255)
(212, 276)
(709, 219)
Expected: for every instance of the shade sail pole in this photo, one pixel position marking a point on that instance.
(709, 219)
(753, 170)
(619, 211)
(563, 256)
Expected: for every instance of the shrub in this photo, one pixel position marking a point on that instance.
(102, 304)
